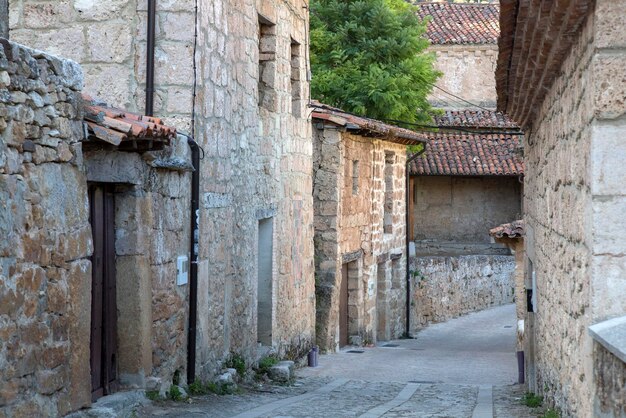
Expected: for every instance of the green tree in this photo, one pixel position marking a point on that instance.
(368, 57)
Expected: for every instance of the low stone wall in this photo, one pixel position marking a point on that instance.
(45, 237)
(609, 377)
(443, 288)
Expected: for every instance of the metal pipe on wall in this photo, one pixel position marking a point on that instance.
(151, 35)
(408, 260)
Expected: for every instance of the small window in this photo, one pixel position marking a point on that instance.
(390, 159)
(267, 64)
(296, 77)
(355, 177)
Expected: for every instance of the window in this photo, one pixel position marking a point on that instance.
(355, 177)
(390, 159)
(296, 77)
(267, 64)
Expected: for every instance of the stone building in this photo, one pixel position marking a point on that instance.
(360, 242)
(243, 94)
(463, 183)
(81, 217)
(469, 176)
(560, 75)
(464, 38)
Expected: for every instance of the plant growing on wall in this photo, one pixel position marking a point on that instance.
(368, 57)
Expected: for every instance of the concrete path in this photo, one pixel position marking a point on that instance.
(449, 370)
(477, 349)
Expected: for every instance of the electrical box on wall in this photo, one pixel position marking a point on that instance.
(182, 270)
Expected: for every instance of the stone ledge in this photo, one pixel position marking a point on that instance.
(612, 335)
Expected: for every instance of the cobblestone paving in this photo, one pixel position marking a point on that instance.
(439, 374)
(353, 398)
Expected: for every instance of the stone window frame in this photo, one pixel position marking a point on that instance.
(267, 46)
(355, 177)
(388, 206)
(296, 64)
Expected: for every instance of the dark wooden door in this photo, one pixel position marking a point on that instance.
(343, 307)
(103, 343)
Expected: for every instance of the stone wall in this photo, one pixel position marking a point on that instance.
(610, 380)
(108, 39)
(462, 209)
(45, 271)
(468, 72)
(349, 228)
(443, 288)
(257, 159)
(574, 202)
(257, 166)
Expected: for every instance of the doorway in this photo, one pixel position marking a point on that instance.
(103, 341)
(265, 270)
(343, 307)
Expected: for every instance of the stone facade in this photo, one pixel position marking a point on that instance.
(443, 288)
(45, 269)
(462, 209)
(574, 198)
(359, 200)
(251, 122)
(468, 72)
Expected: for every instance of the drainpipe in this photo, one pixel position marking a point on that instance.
(150, 57)
(193, 261)
(408, 240)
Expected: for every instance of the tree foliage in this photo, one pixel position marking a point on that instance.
(368, 57)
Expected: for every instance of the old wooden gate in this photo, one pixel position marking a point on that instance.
(103, 343)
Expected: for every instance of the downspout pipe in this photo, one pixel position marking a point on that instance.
(193, 261)
(408, 240)
(151, 35)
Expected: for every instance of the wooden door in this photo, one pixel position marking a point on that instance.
(343, 307)
(103, 342)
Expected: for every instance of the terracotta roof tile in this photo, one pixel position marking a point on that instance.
(124, 129)
(365, 126)
(496, 152)
(456, 23)
(515, 229)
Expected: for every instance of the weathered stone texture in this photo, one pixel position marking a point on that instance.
(45, 272)
(468, 72)
(462, 209)
(443, 288)
(109, 40)
(257, 166)
(610, 379)
(349, 227)
(256, 159)
(573, 206)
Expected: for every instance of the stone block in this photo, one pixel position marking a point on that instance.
(109, 42)
(100, 11)
(609, 17)
(110, 83)
(48, 14)
(609, 85)
(66, 42)
(607, 147)
(50, 381)
(282, 372)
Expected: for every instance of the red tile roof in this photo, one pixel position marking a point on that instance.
(124, 129)
(475, 119)
(457, 23)
(497, 152)
(515, 229)
(365, 126)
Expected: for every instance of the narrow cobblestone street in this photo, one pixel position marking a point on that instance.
(462, 368)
